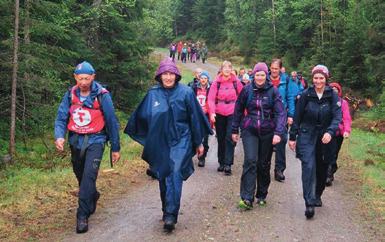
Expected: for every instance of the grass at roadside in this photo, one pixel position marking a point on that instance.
(364, 155)
(37, 194)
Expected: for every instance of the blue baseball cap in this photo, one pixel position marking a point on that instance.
(84, 68)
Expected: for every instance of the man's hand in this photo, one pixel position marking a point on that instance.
(289, 121)
(200, 150)
(60, 144)
(235, 137)
(276, 139)
(326, 138)
(115, 157)
(292, 145)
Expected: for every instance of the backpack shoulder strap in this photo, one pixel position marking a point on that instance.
(235, 87)
(250, 95)
(216, 95)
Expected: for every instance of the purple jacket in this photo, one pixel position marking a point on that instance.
(260, 110)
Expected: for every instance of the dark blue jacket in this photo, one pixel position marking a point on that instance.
(265, 111)
(170, 124)
(111, 121)
(316, 115)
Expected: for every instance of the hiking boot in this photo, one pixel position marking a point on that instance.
(81, 225)
(309, 212)
(329, 180)
(221, 168)
(245, 204)
(201, 163)
(96, 198)
(261, 202)
(318, 202)
(150, 173)
(169, 225)
(279, 176)
(227, 170)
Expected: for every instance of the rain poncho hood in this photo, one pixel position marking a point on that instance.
(167, 65)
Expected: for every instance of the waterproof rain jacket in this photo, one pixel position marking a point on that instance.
(265, 111)
(314, 115)
(170, 124)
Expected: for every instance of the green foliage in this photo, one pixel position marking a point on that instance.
(54, 37)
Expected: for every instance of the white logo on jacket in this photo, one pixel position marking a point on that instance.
(81, 117)
(156, 104)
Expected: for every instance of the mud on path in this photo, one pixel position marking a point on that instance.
(209, 209)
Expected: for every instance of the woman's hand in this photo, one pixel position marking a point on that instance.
(235, 137)
(346, 135)
(326, 138)
(292, 144)
(200, 150)
(212, 118)
(276, 139)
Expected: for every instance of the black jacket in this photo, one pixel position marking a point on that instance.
(314, 114)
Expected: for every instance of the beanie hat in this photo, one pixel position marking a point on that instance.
(167, 65)
(321, 69)
(245, 76)
(206, 74)
(260, 66)
(338, 86)
(84, 68)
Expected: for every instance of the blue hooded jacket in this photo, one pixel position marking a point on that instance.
(170, 124)
(111, 121)
(288, 92)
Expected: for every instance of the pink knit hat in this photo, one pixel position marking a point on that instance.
(321, 69)
(260, 66)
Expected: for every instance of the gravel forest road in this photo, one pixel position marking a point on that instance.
(209, 209)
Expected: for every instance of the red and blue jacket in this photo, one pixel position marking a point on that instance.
(93, 120)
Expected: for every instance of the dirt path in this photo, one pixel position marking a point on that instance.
(209, 209)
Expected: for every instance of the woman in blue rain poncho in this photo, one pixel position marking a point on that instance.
(170, 124)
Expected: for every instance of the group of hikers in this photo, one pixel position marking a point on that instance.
(173, 123)
(189, 51)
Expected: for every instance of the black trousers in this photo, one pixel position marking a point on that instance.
(226, 145)
(86, 170)
(256, 165)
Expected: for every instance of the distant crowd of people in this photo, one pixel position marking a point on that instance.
(189, 51)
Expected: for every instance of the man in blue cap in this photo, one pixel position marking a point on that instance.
(87, 112)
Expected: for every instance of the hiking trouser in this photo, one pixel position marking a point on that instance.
(170, 194)
(280, 154)
(333, 165)
(315, 158)
(86, 170)
(205, 143)
(184, 57)
(226, 145)
(256, 165)
(179, 55)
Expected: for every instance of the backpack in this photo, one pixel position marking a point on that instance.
(219, 86)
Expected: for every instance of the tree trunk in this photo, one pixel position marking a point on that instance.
(274, 28)
(322, 25)
(12, 149)
(27, 40)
